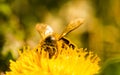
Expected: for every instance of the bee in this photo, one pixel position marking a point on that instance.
(50, 39)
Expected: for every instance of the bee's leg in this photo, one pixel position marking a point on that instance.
(52, 52)
(56, 50)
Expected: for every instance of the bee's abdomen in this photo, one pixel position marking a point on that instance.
(66, 43)
(72, 46)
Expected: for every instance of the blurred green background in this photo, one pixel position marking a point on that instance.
(99, 33)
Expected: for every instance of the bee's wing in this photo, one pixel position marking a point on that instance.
(71, 26)
(44, 30)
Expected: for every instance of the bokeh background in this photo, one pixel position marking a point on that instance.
(99, 33)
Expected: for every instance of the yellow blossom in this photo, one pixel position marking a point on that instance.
(66, 62)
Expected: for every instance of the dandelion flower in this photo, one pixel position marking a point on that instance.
(67, 62)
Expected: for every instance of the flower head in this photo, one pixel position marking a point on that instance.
(67, 61)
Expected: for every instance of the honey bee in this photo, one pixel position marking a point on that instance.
(50, 39)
